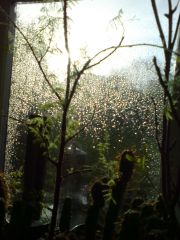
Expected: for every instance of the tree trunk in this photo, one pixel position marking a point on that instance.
(58, 182)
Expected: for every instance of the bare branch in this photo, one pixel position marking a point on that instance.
(79, 171)
(151, 182)
(166, 91)
(44, 141)
(153, 2)
(65, 23)
(170, 24)
(79, 74)
(33, 53)
(156, 124)
(46, 26)
(26, 102)
(176, 31)
(88, 66)
(52, 161)
(150, 45)
(176, 6)
(47, 49)
(113, 49)
(13, 118)
(82, 128)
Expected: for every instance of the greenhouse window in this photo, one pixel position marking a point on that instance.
(110, 52)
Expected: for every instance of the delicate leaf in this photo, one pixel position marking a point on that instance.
(129, 157)
(168, 114)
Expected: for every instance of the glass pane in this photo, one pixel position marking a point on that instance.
(115, 101)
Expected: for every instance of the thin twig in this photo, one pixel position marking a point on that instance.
(150, 45)
(113, 49)
(156, 124)
(44, 140)
(166, 91)
(176, 6)
(170, 24)
(13, 118)
(65, 24)
(79, 74)
(153, 2)
(88, 66)
(82, 128)
(176, 32)
(151, 182)
(52, 161)
(27, 102)
(47, 49)
(33, 53)
(46, 26)
(76, 172)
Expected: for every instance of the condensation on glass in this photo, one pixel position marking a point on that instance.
(121, 102)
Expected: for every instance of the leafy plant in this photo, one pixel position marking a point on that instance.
(15, 183)
(105, 167)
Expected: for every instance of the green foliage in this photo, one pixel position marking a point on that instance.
(46, 129)
(15, 181)
(37, 127)
(168, 114)
(178, 59)
(72, 127)
(129, 157)
(105, 167)
(118, 19)
(4, 189)
(45, 132)
(142, 220)
(176, 88)
(148, 220)
(11, 41)
(142, 161)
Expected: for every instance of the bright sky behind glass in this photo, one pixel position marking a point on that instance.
(92, 28)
